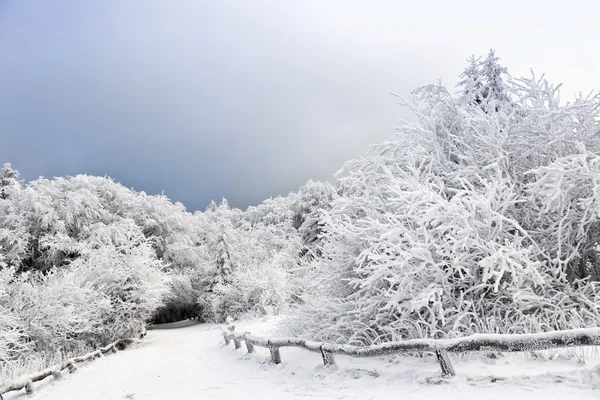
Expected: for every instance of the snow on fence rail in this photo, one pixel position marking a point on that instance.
(441, 347)
(56, 370)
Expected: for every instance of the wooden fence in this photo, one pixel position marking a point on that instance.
(56, 370)
(441, 347)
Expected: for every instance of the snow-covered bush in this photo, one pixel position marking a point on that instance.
(222, 301)
(133, 282)
(77, 270)
(107, 293)
(12, 338)
(253, 262)
(56, 310)
(481, 217)
(266, 277)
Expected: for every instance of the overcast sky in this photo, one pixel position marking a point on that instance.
(249, 99)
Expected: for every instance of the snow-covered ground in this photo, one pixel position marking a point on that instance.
(194, 363)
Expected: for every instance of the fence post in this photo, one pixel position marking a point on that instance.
(445, 363)
(249, 345)
(237, 343)
(275, 355)
(72, 366)
(226, 337)
(57, 374)
(328, 359)
(29, 387)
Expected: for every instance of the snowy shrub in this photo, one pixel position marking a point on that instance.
(253, 263)
(266, 284)
(77, 270)
(482, 217)
(107, 293)
(223, 301)
(12, 337)
(57, 310)
(566, 197)
(131, 279)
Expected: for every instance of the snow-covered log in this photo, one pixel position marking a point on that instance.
(56, 370)
(476, 342)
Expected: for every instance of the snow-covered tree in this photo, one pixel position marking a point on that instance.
(482, 83)
(252, 258)
(311, 200)
(494, 89)
(80, 262)
(477, 219)
(9, 181)
(273, 211)
(471, 81)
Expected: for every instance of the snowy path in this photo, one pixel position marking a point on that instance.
(192, 363)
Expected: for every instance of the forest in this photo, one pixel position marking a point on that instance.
(481, 217)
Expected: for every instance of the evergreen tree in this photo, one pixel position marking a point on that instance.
(311, 200)
(494, 90)
(9, 181)
(482, 83)
(212, 206)
(471, 81)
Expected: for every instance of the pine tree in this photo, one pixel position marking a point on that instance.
(212, 206)
(312, 198)
(494, 90)
(482, 83)
(471, 81)
(9, 181)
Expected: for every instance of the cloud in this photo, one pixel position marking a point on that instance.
(245, 100)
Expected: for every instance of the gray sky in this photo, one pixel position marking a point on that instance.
(249, 99)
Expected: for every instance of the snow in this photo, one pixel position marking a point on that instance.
(193, 362)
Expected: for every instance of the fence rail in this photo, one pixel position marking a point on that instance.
(56, 370)
(441, 347)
